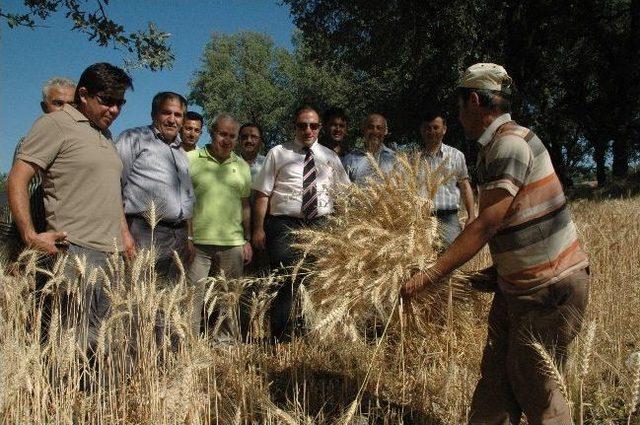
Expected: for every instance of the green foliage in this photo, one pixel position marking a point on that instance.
(575, 64)
(150, 47)
(246, 75)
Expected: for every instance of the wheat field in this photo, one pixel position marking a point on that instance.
(349, 367)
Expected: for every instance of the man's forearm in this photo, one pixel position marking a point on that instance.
(246, 219)
(493, 210)
(467, 244)
(124, 226)
(260, 210)
(18, 196)
(467, 197)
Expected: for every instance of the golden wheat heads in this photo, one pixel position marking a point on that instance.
(381, 234)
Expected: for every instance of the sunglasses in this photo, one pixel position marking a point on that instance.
(312, 125)
(110, 101)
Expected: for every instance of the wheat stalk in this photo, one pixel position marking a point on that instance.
(549, 368)
(635, 391)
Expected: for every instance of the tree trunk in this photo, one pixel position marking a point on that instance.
(622, 144)
(620, 166)
(599, 155)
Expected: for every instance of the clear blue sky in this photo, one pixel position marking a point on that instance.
(30, 57)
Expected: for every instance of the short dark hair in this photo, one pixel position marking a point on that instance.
(103, 76)
(162, 97)
(334, 112)
(194, 116)
(493, 100)
(302, 109)
(432, 115)
(248, 125)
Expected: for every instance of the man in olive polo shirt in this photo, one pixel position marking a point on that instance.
(81, 179)
(221, 221)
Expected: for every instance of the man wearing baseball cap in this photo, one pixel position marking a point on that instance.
(540, 273)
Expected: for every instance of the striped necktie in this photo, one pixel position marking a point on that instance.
(309, 193)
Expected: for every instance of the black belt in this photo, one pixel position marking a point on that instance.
(163, 223)
(444, 213)
(291, 218)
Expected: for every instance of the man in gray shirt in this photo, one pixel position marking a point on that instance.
(449, 161)
(56, 92)
(156, 171)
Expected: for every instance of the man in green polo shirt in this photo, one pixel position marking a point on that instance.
(220, 228)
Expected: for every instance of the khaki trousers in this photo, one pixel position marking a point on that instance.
(209, 261)
(512, 382)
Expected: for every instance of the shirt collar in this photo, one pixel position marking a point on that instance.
(302, 146)
(75, 114)
(439, 153)
(255, 160)
(488, 133)
(177, 142)
(80, 117)
(384, 150)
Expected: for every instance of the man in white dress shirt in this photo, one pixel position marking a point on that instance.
(293, 190)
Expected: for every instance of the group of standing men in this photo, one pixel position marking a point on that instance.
(215, 207)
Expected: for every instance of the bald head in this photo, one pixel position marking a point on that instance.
(374, 129)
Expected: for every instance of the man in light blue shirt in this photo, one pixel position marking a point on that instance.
(358, 165)
(156, 169)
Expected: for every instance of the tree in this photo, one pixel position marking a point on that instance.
(150, 46)
(574, 63)
(246, 75)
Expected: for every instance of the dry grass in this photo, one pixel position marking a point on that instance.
(150, 369)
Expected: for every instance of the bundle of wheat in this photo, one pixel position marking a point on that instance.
(381, 234)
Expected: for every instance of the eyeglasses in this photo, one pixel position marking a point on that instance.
(312, 125)
(110, 101)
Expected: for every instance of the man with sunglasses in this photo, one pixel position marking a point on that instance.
(293, 189)
(81, 179)
(156, 169)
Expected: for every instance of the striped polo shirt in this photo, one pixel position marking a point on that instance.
(538, 243)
